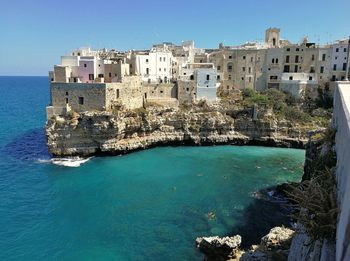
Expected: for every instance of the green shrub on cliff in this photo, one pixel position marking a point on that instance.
(315, 197)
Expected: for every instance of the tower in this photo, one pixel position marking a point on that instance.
(272, 37)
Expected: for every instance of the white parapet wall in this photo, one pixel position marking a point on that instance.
(341, 121)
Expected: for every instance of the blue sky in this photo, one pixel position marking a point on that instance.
(34, 33)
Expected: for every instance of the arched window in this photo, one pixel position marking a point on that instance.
(273, 41)
(273, 60)
(276, 60)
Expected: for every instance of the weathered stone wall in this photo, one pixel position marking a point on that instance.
(127, 93)
(186, 91)
(341, 121)
(93, 94)
(160, 91)
(98, 96)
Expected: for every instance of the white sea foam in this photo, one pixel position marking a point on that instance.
(70, 162)
(44, 160)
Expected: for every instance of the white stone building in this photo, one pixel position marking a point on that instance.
(154, 66)
(339, 60)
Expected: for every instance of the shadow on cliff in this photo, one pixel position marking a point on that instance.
(29, 146)
(260, 216)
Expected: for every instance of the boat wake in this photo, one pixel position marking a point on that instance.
(73, 162)
(70, 162)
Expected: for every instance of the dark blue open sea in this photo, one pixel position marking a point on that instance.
(148, 205)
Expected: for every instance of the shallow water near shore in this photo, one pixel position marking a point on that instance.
(147, 205)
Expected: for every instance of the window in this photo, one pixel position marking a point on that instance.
(85, 65)
(251, 59)
(313, 57)
(75, 79)
(276, 60)
(286, 68)
(273, 77)
(336, 58)
(334, 67)
(243, 69)
(297, 58)
(218, 67)
(208, 77)
(333, 78)
(99, 65)
(288, 49)
(344, 66)
(297, 49)
(336, 50)
(192, 77)
(250, 79)
(287, 59)
(160, 59)
(296, 68)
(146, 60)
(100, 76)
(310, 78)
(52, 79)
(243, 57)
(242, 78)
(230, 57)
(200, 61)
(81, 100)
(273, 60)
(66, 93)
(229, 68)
(312, 69)
(344, 50)
(160, 69)
(147, 71)
(229, 77)
(110, 75)
(273, 41)
(218, 77)
(164, 69)
(187, 89)
(66, 100)
(163, 59)
(117, 94)
(323, 57)
(291, 78)
(321, 69)
(161, 91)
(91, 77)
(249, 70)
(78, 54)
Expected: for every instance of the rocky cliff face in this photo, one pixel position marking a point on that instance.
(115, 133)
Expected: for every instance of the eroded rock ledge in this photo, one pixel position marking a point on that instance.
(273, 246)
(92, 133)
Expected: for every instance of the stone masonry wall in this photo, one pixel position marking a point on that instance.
(94, 96)
(128, 93)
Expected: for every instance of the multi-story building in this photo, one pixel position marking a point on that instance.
(339, 60)
(169, 73)
(154, 66)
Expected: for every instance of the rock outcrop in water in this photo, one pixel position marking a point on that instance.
(273, 246)
(91, 133)
(219, 249)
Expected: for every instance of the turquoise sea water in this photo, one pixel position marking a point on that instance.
(148, 205)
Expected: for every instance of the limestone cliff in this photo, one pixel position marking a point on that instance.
(91, 133)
